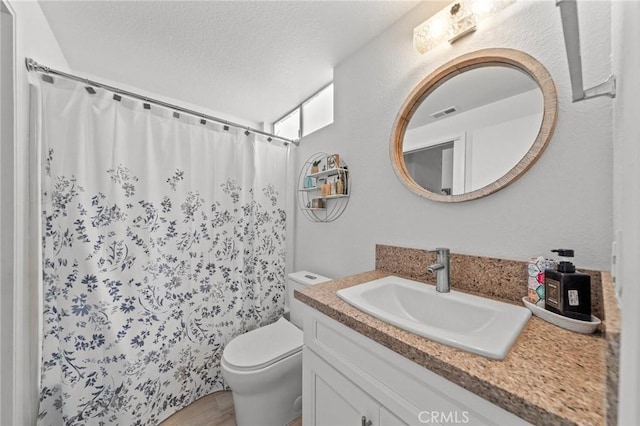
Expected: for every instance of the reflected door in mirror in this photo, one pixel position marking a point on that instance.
(432, 167)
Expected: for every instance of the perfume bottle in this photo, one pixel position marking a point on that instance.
(567, 292)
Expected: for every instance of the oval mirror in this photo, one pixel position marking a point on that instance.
(474, 125)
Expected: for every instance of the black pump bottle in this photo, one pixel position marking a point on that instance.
(567, 292)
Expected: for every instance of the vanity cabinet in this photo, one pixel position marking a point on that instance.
(336, 399)
(347, 376)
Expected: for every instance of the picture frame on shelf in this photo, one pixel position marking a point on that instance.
(333, 162)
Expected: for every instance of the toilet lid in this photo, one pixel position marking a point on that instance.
(263, 346)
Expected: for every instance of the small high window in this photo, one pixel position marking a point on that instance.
(317, 111)
(313, 114)
(288, 126)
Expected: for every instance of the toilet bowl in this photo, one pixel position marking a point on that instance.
(263, 367)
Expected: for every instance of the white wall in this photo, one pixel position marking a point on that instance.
(563, 200)
(494, 150)
(626, 190)
(33, 39)
(6, 199)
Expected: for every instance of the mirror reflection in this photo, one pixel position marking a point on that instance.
(473, 129)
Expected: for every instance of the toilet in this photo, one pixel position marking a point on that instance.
(263, 367)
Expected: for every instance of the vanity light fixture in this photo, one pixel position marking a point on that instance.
(454, 22)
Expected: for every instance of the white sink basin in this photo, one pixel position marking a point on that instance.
(475, 324)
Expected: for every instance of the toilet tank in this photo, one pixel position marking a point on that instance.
(299, 281)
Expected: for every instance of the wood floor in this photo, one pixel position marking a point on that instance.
(215, 409)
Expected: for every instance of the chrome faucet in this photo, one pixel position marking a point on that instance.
(441, 267)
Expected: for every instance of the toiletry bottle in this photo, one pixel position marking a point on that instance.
(308, 182)
(326, 189)
(339, 186)
(567, 292)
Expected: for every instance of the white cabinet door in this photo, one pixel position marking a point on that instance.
(330, 399)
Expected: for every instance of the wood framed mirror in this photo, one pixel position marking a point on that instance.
(474, 125)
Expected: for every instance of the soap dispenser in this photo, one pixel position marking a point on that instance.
(567, 292)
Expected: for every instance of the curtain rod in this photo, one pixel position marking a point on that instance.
(34, 66)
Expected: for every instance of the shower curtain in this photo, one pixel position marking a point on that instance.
(162, 238)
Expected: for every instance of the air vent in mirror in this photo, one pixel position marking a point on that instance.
(444, 112)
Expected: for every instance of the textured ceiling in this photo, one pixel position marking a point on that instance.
(254, 60)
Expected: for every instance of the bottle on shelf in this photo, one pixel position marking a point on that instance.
(309, 182)
(326, 189)
(339, 186)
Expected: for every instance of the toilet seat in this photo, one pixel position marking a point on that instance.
(263, 346)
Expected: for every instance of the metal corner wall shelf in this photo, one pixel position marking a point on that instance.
(333, 169)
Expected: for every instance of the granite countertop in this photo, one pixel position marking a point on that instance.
(550, 376)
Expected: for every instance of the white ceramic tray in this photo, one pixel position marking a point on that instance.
(584, 327)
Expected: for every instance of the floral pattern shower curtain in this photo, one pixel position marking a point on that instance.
(162, 238)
